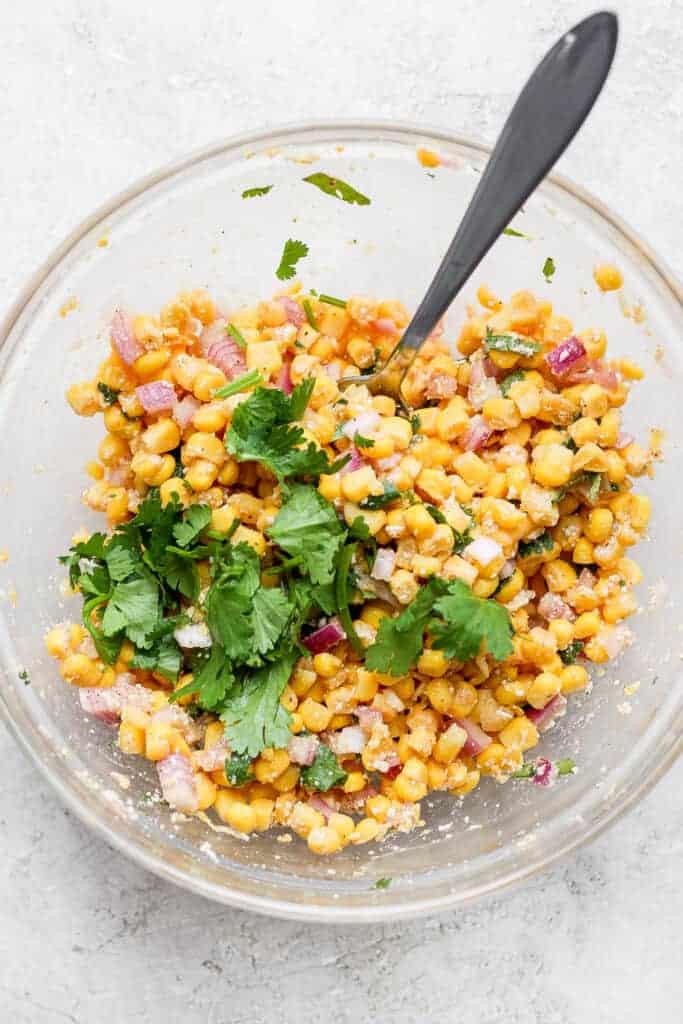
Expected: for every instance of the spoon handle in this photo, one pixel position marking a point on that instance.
(550, 110)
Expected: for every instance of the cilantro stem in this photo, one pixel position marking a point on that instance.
(289, 563)
(341, 593)
(236, 335)
(527, 771)
(331, 301)
(247, 380)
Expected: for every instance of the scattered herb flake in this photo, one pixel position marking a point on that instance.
(324, 773)
(258, 190)
(24, 676)
(110, 396)
(513, 233)
(363, 442)
(549, 269)
(571, 652)
(415, 423)
(535, 547)
(516, 343)
(337, 188)
(238, 769)
(375, 501)
(382, 883)
(508, 381)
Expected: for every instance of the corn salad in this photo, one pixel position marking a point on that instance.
(506, 497)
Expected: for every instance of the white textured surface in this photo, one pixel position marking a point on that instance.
(96, 94)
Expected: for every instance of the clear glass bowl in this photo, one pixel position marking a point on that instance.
(189, 226)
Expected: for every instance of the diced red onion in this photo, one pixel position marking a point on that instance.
(184, 410)
(477, 434)
(227, 355)
(120, 476)
(624, 440)
(106, 703)
(362, 424)
(545, 772)
(123, 339)
(368, 718)
(615, 640)
(192, 636)
(545, 718)
(389, 764)
(385, 325)
(174, 715)
(326, 805)
(333, 370)
(520, 599)
(441, 386)
(391, 462)
(293, 311)
(491, 370)
(592, 370)
(354, 803)
(213, 758)
(284, 380)
(157, 396)
(349, 740)
(551, 606)
(325, 638)
(383, 565)
(483, 550)
(477, 740)
(508, 569)
(302, 749)
(565, 356)
(178, 784)
(605, 377)
(355, 462)
(215, 331)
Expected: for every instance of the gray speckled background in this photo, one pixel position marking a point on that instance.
(99, 92)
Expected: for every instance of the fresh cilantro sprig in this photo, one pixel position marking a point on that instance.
(459, 622)
(325, 771)
(293, 251)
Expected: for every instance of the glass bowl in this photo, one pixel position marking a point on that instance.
(187, 226)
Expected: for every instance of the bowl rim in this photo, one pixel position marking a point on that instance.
(284, 908)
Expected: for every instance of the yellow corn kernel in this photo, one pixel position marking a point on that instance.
(206, 791)
(573, 678)
(583, 552)
(316, 717)
(255, 539)
(149, 364)
(594, 401)
(162, 436)
(499, 761)
(449, 744)
(366, 685)
(587, 625)
(131, 739)
(464, 700)
(237, 814)
(470, 782)
(435, 484)
(543, 688)
(326, 665)
(57, 642)
(629, 570)
(355, 782)
(116, 422)
(270, 764)
(641, 509)
(511, 587)
(378, 807)
(222, 518)
(511, 691)
(330, 487)
(410, 785)
(80, 670)
(201, 445)
(527, 397)
(209, 418)
(343, 824)
(520, 733)
(552, 465)
(585, 430)
(84, 398)
(452, 421)
(432, 663)
(419, 521)
(263, 813)
(474, 471)
(619, 607)
(360, 484)
(559, 576)
(484, 587)
(599, 527)
(304, 819)
(365, 831)
(112, 450)
(501, 413)
(324, 840)
(607, 277)
(207, 382)
(175, 486)
(287, 780)
(563, 631)
(201, 475)
(425, 566)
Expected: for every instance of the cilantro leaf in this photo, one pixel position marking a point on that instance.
(337, 188)
(93, 548)
(238, 769)
(400, 640)
(211, 683)
(415, 423)
(293, 251)
(108, 648)
(375, 501)
(133, 606)
(121, 560)
(307, 527)
(253, 716)
(382, 883)
(363, 442)
(262, 431)
(325, 771)
(535, 547)
(270, 614)
(508, 381)
(341, 595)
(258, 190)
(469, 621)
(195, 519)
(571, 652)
(549, 269)
(229, 601)
(110, 396)
(165, 657)
(517, 343)
(436, 514)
